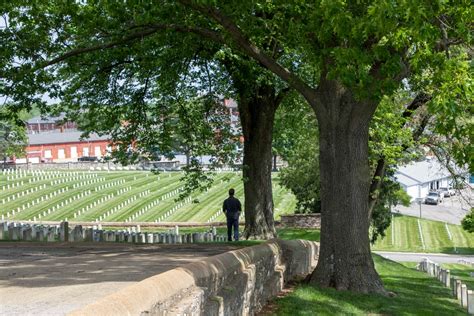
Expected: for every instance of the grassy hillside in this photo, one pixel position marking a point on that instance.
(119, 196)
(416, 293)
(404, 234)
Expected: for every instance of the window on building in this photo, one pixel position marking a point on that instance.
(73, 152)
(61, 153)
(85, 152)
(47, 153)
(97, 151)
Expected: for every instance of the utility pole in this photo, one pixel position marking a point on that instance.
(419, 201)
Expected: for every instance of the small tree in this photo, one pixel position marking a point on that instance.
(468, 221)
(13, 138)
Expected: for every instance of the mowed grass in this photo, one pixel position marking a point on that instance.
(407, 237)
(415, 294)
(404, 235)
(157, 187)
(434, 233)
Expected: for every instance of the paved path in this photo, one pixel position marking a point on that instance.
(417, 257)
(452, 210)
(53, 279)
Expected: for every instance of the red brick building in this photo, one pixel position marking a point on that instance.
(47, 124)
(63, 147)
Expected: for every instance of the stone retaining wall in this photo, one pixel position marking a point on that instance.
(238, 282)
(302, 220)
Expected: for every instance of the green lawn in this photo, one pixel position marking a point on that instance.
(158, 188)
(302, 233)
(416, 294)
(404, 235)
(407, 237)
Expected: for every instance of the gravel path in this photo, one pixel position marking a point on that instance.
(54, 279)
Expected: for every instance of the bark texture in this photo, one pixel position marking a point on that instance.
(345, 261)
(257, 114)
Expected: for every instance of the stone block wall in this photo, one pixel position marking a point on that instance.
(238, 282)
(301, 220)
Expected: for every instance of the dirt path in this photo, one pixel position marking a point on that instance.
(54, 279)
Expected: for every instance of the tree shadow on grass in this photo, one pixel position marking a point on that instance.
(458, 250)
(416, 294)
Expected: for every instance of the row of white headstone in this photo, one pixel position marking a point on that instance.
(143, 210)
(172, 193)
(88, 182)
(147, 207)
(37, 172)
(93, 204)
(77, 178)
(144, 193)
(30, 232)
(109, 185)
(42, 175)
(213, 217)
(51, 233)
(20, 174)
(37, 201)
(460, 291)
(63, 203)
(115, 209)
(62, 177)
(173, 210)
(12, 185)
(123, 190)
(23, 193)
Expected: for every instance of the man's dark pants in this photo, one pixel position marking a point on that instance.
(232, 223)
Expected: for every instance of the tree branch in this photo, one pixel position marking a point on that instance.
(254, 52)
(281, 95)
(147, 31)
(377, 179)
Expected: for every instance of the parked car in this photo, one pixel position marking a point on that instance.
(434, 198)
(88, 158)
(447, 191)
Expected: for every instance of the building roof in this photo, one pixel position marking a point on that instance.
(46, 119)
(60, 138)
(405, 181)
(421, 172)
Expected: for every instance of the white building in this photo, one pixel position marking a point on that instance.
(418, 178)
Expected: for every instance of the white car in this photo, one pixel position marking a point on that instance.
(434, 197)
(447, 192)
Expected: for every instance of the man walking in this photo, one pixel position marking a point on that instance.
(232, 209)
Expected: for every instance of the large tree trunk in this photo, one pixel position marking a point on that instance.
(345, 261)
(257, 115)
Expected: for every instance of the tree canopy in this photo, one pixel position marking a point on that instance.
(12, 137)
(345, 58)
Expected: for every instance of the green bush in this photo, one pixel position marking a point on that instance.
(468, 222)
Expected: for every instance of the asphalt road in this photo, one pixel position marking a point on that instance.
(54, 279)
(451, 210)
(417, 257)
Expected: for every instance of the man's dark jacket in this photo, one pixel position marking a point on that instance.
(232, 207)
